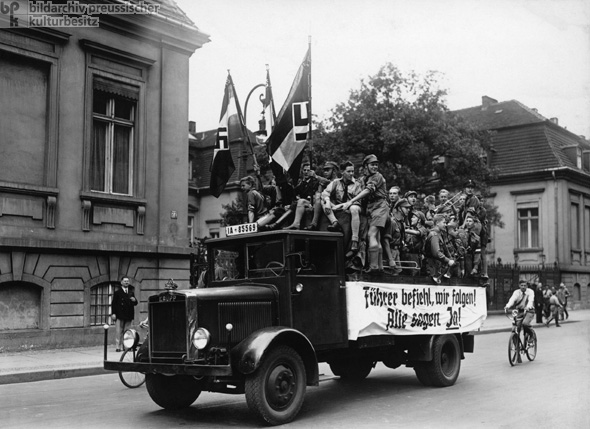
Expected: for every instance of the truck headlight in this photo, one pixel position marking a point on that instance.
(130, 338)
(201, 338)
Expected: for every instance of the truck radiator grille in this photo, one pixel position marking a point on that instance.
(246, 317)
(168, 329)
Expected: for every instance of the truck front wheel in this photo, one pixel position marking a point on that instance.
(275, 392)
(444, 368)
(172, 392)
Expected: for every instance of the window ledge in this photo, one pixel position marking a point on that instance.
(119, 200)
(22, 188)
(528, 250)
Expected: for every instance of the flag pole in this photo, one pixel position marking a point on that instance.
(245, 128)
(309, 95)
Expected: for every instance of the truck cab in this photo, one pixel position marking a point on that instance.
(279, 302)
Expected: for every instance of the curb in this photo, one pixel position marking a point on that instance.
(51, 374)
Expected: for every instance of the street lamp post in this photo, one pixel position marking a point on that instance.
(262, 121)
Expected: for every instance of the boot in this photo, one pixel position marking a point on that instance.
(335, 227)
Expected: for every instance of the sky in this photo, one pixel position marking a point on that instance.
(533, 51)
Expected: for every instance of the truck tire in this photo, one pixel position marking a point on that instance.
(276, 390)
(422, 374)
(172, 392)
(444, 368)
(352, 370)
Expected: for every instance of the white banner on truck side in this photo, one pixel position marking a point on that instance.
(405, 309)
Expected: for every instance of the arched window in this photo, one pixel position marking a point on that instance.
(100, 304)
(20, 307)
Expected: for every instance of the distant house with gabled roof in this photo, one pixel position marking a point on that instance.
(204, 209)
(542, 190)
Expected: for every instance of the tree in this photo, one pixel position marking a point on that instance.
(403, 119)
(233, 213)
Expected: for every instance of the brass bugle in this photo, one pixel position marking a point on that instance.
(451, 201)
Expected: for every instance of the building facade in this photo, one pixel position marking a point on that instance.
(93, 171)
(542, 190)
(205, 210)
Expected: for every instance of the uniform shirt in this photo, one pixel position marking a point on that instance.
(307, 188)
(415, 242)
(335, 191)
(375, 183)
(435, 246)
(256, 203)
(522, 300)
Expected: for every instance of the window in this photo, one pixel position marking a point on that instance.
(190, 229)
(528, 228)
(318, 257)
(24, 114)
(587, 228)
(100, 304)
(112, 142)
(265, 259)
(190, 167)
(575, 225)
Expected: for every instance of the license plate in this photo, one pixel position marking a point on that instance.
(245, 228)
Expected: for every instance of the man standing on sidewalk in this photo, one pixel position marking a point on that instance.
(539, 304)
(122, 311)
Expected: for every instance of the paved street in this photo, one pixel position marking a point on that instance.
(553, 391)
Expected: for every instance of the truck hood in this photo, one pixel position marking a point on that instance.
(249, 291)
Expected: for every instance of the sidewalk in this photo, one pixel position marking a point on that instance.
(38, 365)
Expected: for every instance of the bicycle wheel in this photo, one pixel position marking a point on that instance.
(130, 379)
(531, 349)
(513, 348)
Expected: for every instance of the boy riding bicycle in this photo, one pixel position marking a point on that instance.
(523, 300)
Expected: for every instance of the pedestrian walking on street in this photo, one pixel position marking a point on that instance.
(563, 295)
(122, 311)
(555, 309)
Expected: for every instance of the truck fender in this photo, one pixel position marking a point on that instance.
(248, 355)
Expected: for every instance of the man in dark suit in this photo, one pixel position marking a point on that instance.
(122, 311)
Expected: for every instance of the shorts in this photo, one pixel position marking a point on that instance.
(378, 212)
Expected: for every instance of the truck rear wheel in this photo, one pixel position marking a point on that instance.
(275, 392)
(353, 369)
(444, 368)
(172, 392)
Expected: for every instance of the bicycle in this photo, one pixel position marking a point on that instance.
(132, 379)
(517, 345)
